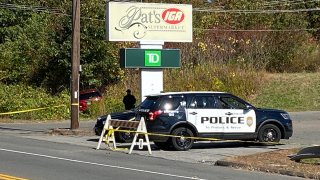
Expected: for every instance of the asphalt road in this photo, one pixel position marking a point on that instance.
(39, 160)
(27, 152)
(306, 128)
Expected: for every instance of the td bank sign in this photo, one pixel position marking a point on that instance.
(128, 21)
(152, 58)
(149, 58)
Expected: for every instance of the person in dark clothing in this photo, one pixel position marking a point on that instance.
(129, 100)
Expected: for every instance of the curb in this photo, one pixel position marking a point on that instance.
(72, 132)
(237, 165)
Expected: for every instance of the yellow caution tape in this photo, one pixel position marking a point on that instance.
(110, 132)
(29, 110)
(7, 177)
(119, 149)
(194, 138)
(109, 135)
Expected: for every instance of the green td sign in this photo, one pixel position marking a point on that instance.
(149, 58)
(152, 58)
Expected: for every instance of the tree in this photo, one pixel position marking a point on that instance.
(35, 46)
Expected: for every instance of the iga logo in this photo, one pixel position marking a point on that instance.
(173, 16)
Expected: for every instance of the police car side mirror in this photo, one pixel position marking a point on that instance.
(183, 103)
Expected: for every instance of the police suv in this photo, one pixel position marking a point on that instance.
(210, 115)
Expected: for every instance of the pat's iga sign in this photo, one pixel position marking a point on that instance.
(149, 22)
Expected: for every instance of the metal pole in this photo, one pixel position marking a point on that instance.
(75, 64)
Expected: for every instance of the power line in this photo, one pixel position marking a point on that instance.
(33, 8)
(258, 30)
(42, 9)
(289, 3)
(58, 12)
(285, 2)
(258, 11)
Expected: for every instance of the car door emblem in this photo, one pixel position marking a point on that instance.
(249, 121)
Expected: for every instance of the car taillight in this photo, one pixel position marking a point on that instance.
(153, 114)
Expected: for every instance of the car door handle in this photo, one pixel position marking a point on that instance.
(228, 113)
(193, 113)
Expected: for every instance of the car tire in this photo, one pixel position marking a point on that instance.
(97, 131)
(181, 143)
(124, 137)
(269, 133)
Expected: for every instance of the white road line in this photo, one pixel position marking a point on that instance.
(98, 164)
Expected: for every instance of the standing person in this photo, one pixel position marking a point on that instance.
(129, 100)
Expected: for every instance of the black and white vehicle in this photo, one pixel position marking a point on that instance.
(210, 115)
(122, 137)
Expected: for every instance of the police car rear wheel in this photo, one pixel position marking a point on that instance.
(269, 133)
(182, 143)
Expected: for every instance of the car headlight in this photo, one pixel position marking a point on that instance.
(98, 119)
(285, 115)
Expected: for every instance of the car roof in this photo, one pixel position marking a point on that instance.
(89, 91)
(187, 92)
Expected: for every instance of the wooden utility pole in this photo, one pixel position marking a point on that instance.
(75, 76)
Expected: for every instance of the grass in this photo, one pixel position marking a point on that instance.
(287, 91)
(278, 162)
(291, 92)
(314, 161)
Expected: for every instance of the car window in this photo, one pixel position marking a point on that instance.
(89, 95)
(170, 102)
(149, 102)
(231, 103)
(203, 102)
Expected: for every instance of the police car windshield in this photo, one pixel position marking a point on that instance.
(149, 102)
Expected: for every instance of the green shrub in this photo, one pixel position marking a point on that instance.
(241, 81)
(20, 98)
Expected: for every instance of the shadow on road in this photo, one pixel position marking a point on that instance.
(210, 145)
(21, 129)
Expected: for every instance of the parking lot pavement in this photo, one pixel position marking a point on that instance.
(306, 132)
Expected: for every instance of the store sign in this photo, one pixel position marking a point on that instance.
(149, 58)
(149, 22)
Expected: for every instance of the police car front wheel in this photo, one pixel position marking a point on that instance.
(182, 142)
(269, 133)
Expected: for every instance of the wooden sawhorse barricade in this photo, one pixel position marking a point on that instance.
(138, 126)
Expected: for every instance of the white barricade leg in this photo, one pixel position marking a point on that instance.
(142, 129)
(114, 140)
(106, 126)
(148, 143)
(110, 137)
(133, 142)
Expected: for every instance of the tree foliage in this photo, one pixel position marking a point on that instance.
(36, 45)
(35, 40)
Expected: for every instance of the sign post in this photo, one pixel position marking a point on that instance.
(151, 24)
(151, 80)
